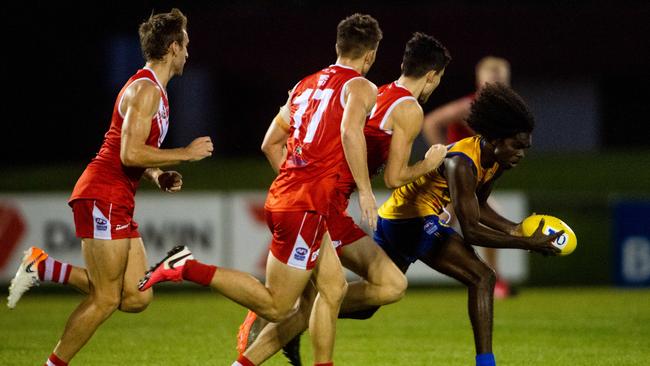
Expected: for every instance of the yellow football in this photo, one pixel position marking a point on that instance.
(567, 242)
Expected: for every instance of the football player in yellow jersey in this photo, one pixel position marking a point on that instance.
(412, 223)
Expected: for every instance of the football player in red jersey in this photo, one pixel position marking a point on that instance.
(327, 111)
(393, 125)
(447, 124)
(103, 198)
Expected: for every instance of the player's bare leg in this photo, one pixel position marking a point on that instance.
(36, 267)
(460, 261)
(134, 301)
(105, 262)
(79, 280)
(502, 287)
(275, 301)
(383, 283)
(274, 336)
(321, 321)
(331, 285)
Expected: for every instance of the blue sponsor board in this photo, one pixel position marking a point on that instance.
(632, 243)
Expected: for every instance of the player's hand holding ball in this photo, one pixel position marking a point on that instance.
(545, 229)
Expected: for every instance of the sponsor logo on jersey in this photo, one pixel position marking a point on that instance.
(121, 227)
(300, 254)
(101, 224)
(430, 227)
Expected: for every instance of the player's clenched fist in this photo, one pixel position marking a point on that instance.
(199, 149)
(435, 155)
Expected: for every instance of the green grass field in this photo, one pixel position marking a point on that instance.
(561, 326)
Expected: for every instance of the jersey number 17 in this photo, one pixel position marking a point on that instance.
(323, 97)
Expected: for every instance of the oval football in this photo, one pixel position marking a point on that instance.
(567, 242)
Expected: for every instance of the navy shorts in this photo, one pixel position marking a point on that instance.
(406, 240)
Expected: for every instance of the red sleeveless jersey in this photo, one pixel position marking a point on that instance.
(105, 177)
(459, 130)
(378, 137)
(314, 152)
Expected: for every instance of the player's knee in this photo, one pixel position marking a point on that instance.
(396, 288)
(105, 303)
(136, 303)
(276, 314)
(487, 278)
(335, 292)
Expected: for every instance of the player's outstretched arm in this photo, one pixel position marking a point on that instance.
(406, 122)
(462, 182)
(140, 103)
(491, 218)
(275, 139)
(361, 96)
(436, 121)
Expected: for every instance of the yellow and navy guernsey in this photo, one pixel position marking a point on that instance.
(429, 194)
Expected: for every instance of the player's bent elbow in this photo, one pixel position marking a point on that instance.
(349, 136)
(266, 148)
(129, 159)
(471, 236)
(126, 159)
(391, 182)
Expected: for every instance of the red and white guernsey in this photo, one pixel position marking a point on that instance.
(458, 130)
(105, 178)
(378, 136)
(315, 155)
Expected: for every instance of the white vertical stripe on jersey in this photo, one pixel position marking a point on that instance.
(300, 243)
(101, 233)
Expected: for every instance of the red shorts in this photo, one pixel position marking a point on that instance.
(97, 219)
(297, 237)
(340, 225)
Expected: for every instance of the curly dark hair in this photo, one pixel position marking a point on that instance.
(499, 112)
(159, 31)
(357, 34)
(424, 53)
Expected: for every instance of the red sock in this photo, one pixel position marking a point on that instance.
(243, 361)
(324, 364)
(198, 272)
(54, 361)
(53, 270)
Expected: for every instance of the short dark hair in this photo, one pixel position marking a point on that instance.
(159, 31)
(424, 53)
(499, 112)
(357, 34)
